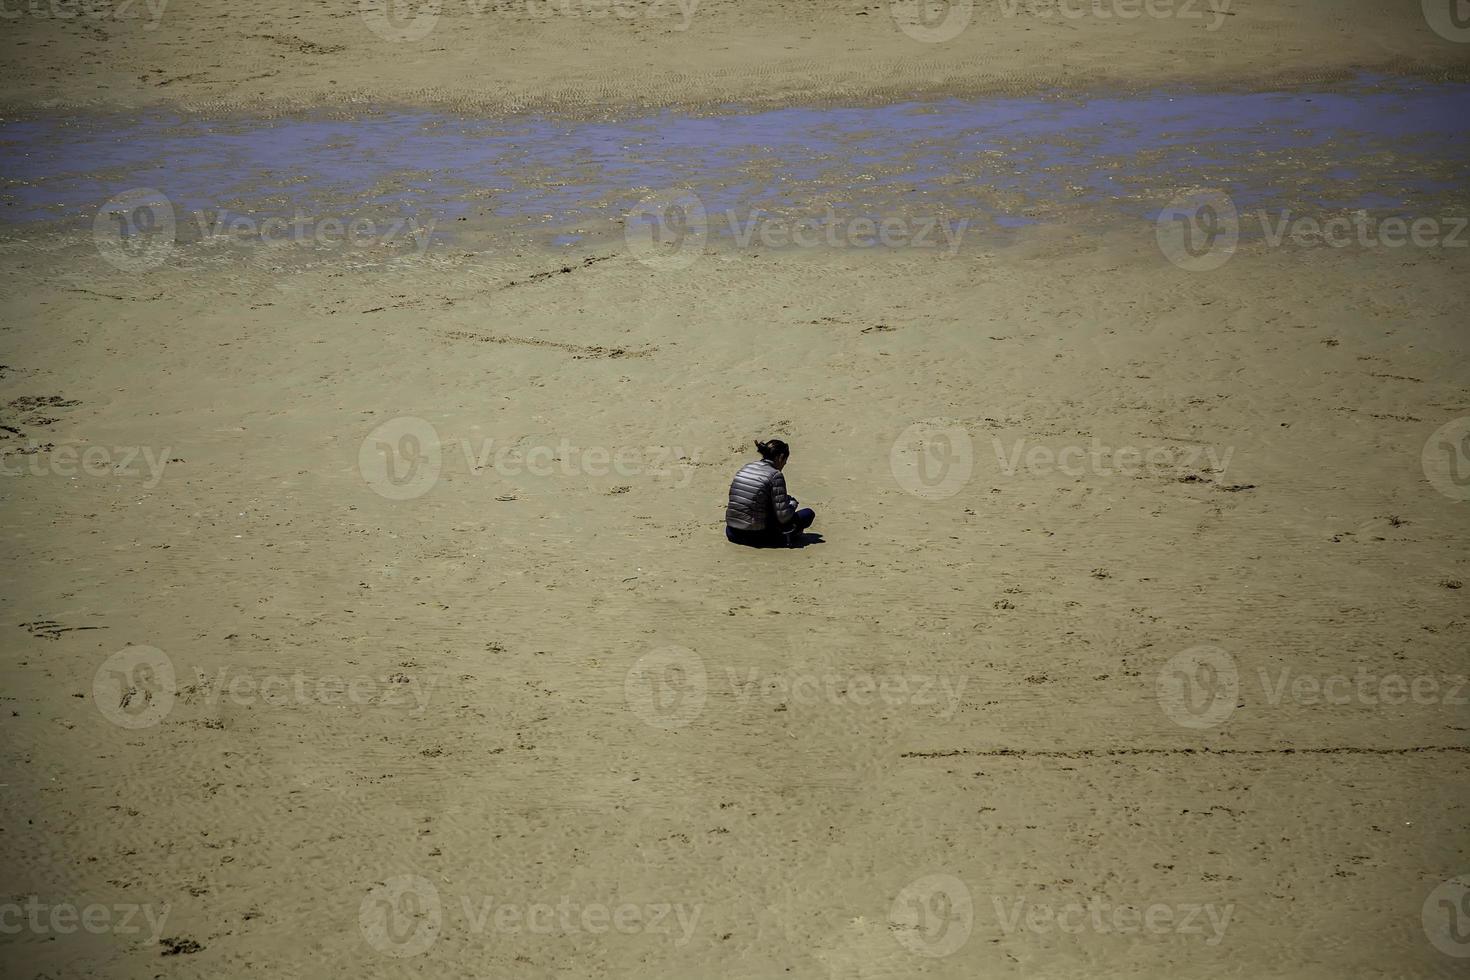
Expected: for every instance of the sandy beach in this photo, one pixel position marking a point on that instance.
(595, 56)
(370, 612)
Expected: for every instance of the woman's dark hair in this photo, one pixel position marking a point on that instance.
(772, 450)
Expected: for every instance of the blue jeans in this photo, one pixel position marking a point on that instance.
(772, 537)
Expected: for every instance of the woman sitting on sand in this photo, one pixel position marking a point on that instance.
(760, 513)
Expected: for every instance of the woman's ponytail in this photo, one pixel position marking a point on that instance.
(772, 450)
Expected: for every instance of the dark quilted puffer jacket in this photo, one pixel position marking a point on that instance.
(758, 498)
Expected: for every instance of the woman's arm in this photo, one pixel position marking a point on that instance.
(782, 504)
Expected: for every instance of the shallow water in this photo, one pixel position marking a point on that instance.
(1376, 143)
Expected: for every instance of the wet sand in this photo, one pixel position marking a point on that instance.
(505, 744)
(588, 56)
